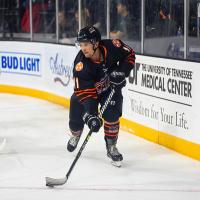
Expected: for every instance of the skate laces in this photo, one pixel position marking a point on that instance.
(74, 140)
(113, 150)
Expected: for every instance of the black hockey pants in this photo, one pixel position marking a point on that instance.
(111, 115)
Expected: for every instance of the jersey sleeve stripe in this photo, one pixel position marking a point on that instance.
(131, 62)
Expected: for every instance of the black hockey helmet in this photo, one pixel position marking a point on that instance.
(89, 34)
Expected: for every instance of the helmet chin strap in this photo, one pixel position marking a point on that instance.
(94, 49)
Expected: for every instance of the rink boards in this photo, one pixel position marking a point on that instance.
(161, 99)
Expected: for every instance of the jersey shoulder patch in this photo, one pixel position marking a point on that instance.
(79, 66)
(117, 43)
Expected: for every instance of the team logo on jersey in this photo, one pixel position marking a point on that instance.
(79, 66)
(116, 43)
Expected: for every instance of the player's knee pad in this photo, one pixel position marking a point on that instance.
(113, 112)
(111, 130)
(112, 115)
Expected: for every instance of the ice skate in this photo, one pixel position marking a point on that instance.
(74, 139)
(113, 153)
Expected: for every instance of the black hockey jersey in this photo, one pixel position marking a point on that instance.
(92, 78)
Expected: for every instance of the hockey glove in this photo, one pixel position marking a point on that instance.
(94, 122)
(117, 80)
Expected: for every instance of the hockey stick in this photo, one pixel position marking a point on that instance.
(51, 182)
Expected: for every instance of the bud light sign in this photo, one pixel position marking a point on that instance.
(20, 63)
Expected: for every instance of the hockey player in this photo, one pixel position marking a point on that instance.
(99, 66)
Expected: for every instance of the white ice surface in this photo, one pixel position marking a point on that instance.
(36, 134)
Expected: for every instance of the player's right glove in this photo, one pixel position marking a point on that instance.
(94, 122)
(117, 80)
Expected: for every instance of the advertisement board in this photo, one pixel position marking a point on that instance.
(45, 67)
(162, 94)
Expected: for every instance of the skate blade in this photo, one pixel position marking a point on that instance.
(116, 163)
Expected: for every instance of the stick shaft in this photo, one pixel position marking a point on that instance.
(55, 182)
(79, 153)
(90, 133)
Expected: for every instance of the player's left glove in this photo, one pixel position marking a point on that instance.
(94, 122)
(117, 80)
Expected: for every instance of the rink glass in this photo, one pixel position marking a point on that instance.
(165, 28)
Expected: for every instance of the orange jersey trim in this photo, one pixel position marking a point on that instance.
(84, 98)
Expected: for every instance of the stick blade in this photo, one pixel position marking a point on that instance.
(51, 182)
